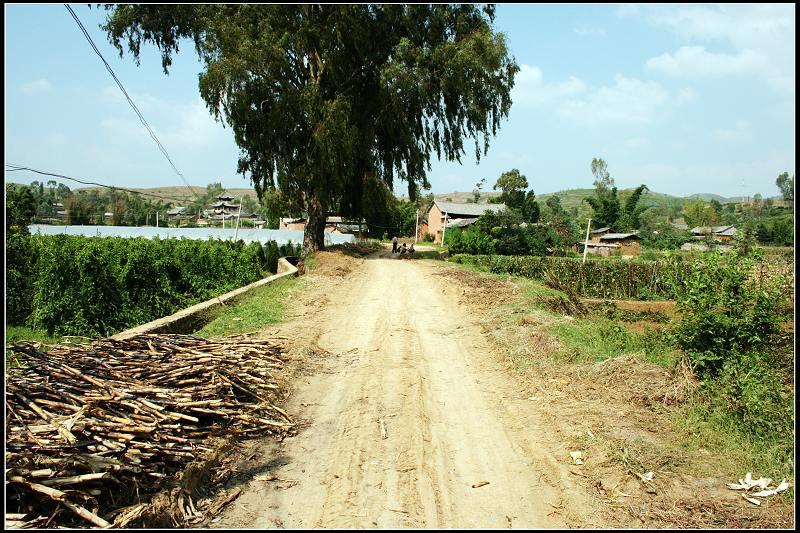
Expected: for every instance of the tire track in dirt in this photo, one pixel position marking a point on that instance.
(403, 352)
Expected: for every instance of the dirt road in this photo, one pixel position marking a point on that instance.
(408, 414)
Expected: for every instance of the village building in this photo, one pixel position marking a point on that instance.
(628, 243)
(594, 235)
(224, 206)
(608, 244)
(333, 224)
(442, 214)
(718, 233)
(176, 212)
(602, 249)
(680, 226)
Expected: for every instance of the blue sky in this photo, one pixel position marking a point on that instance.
(686, 99)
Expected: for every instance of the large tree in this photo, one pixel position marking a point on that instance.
(513, 185)
(325, 99)
(605, 202)
(786, 185)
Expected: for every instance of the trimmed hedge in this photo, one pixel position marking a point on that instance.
(96, 286)
(620, 280)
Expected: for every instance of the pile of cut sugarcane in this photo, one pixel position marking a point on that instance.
(92, 429)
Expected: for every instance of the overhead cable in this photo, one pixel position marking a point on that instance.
(136, 109)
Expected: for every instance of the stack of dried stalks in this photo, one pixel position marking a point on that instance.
(93, 428)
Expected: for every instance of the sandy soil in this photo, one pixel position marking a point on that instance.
(404, 419)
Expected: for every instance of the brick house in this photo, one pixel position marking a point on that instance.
(443, 213)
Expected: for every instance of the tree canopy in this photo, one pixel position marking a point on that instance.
(605, 202)
(324, 100)
(606, 205)
(786, 185)
(513, 185)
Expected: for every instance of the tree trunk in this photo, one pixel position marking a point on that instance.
(314, 235)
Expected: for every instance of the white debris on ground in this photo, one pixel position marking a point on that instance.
(748, 483)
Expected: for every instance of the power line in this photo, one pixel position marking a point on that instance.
(15, 168)
(136, 109)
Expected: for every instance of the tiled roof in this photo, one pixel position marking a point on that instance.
(717, 230)
(460, 222)
(469, 210)
(617, 236)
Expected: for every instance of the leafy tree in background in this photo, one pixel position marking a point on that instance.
(78, 209)
(554, 204)
(786, 185)
(716, 206)
(697, 214)
(20, 209)
(656, 230)
(605, 202)
(530, 208)
(629, 219)
(324, 100)
(476, 192)
(513, 185)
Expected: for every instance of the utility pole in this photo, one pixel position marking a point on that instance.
(416, 228)
(586, 242)
(156, 218)
(238, 217)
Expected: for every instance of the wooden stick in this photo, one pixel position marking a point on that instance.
(59, 496)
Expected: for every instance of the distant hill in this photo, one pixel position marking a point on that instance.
(574, 197)
(176, 194)
(707, 197)
(569, 198)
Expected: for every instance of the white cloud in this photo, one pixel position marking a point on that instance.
(761, 39)
(586, 31)
(530, 89)
(696, 62)
(36, 86)
(177, 126)
(740, 132)
(626, 101)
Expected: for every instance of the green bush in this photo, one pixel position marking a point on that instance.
(71, 285)
(597, 278)
(20, 263)
(752, 389)
(724, 311)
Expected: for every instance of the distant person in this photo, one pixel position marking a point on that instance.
(411, 249)
(403, 249)
(394, 245)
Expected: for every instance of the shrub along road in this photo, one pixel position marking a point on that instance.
(409, 415)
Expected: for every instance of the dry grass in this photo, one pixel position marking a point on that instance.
(621, 412)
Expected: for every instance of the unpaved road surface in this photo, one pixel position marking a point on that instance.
(405, 415)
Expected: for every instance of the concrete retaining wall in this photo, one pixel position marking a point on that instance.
(195, 317)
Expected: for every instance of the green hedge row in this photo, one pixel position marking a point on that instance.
(73, 285)
(644, 280)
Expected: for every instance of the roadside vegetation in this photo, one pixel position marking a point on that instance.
(722, 342)
(263, 307)
(69, 285)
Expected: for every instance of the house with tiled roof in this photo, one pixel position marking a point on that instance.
(442, 214)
